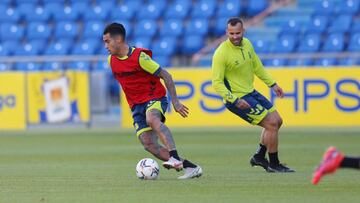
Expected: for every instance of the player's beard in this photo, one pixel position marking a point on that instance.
(237, 42)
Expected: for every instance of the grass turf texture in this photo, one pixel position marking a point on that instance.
(99, 166)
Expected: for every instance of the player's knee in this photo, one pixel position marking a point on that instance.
(280, 121)
(272, 124)
(153, 121)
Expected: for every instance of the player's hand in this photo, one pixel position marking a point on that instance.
(242, 104)
(181, 109)
(278, 91)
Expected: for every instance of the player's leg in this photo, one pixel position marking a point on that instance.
(150, 142)
(332, 160)
(350, 162)
(253, 116)
(146, 136)
(155, 119)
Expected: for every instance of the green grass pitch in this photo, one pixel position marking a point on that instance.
(99, 166)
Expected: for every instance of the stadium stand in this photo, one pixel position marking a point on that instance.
(175, 27)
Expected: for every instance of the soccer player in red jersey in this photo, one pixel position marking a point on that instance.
(332, 160)
(139, 77)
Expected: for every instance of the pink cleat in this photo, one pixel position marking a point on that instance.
(331, 161)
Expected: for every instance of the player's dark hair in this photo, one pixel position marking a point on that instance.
(235, 20)
(115, 29)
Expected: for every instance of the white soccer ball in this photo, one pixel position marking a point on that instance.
(147, 169)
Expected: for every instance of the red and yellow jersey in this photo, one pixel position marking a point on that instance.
(137, 75)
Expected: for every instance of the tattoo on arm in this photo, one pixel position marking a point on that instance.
(169, 83)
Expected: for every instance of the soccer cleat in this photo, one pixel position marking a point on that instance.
(173, 163)
(256, 161)
(191, 173)
(331, 161)
(279, 168)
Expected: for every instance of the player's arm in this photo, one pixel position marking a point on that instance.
(154, 68)
(261, 73)
(170, 86)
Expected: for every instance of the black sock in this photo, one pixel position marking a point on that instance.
(174, 154)
(350, 162)
(188, 164)
(274, 160)
(261, 151)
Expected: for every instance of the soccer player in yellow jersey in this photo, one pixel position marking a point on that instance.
(233, 68)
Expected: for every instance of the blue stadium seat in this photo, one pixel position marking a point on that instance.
(229, 8)
(143, 42)
(203, 9)
(334, 43)
(300, 62)
(102, 65)
(325, 62)
(324, 7)
(33, 13)
(27, 66)
(81, 1)
(295, 25)
(102, 50)
(275, 21)
(261, 46)
(66, 13)
(9, 15)
(53, 7)
(79, 65)
(192, 43)
(275, 62)
(152, 10)
(163, 61)
(59, 47)
(125, 11)
(97, 12)
(145, 28)
(219, 27)
(347, 62)
(356, 26)
(9, 47)
(310, 43)
(4, 51)
(81, 7)
(285, 44)
(354, 44)
(53, 66)
(56, 1)
(108, 4)
(85, 47)
(164, 46)
(178, 9)
(93, 29)
(291, 27)
(10, 31)
(28, 49)
(38, 31)
(66, 29)
(19, 2)
(318, 24)
(5, 66)
(255, 7)
(341, 24)
(173, 27)
(40, 44)
(349, 7)
(197, 26)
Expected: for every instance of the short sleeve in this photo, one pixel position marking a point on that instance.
(148, 64)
